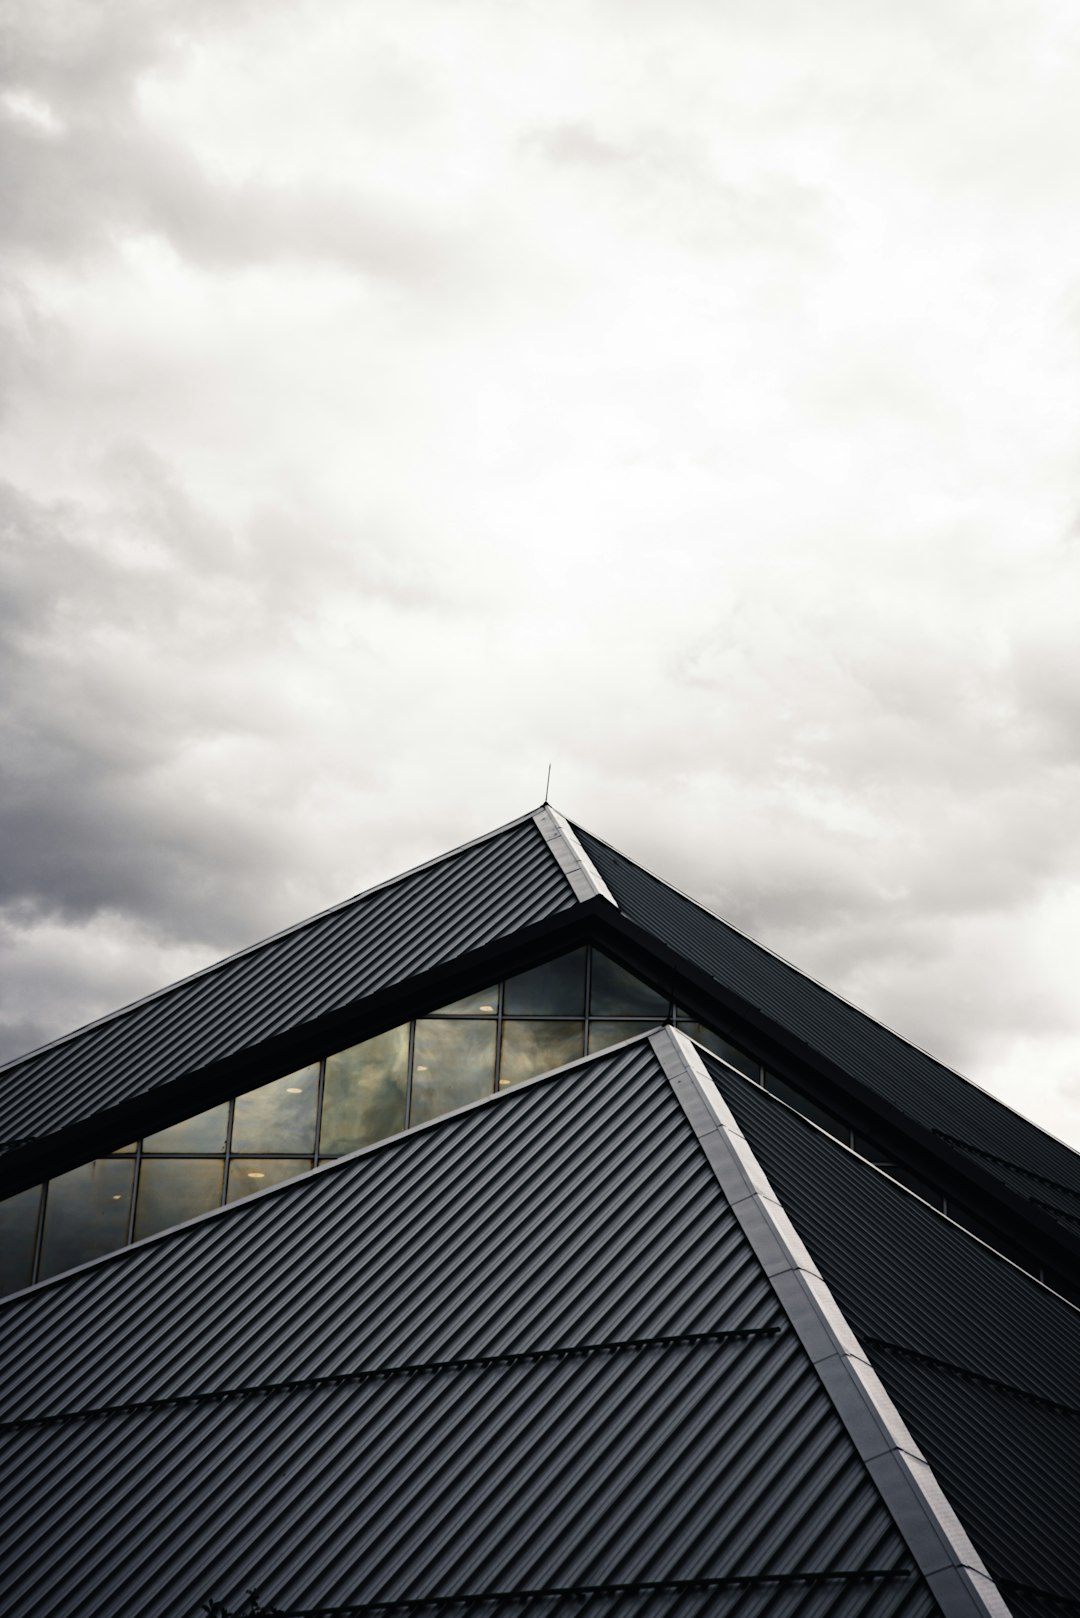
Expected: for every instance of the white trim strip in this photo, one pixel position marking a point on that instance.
(574, 863)
(935, 1536)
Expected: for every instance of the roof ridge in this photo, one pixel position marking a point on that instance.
(574, 862)
(935, 1537)
(262, 943)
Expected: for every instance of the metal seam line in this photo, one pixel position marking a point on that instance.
(902, 1351)
(582, 1592)
(1007, 1163)
(934, 1535)
(384, 1372)
(574, 863)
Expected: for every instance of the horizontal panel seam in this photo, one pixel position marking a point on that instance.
(1007, 1163)
(561, 1351)
(578, 1592)
(965, 1371)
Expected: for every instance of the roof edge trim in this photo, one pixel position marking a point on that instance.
(574, 863)
(936, 1538)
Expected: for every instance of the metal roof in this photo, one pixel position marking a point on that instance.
(267, 1008)
(982, 1361)
(485, 891)
(526, 1351)
(919, 1086)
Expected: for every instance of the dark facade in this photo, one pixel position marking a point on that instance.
(518, 1236)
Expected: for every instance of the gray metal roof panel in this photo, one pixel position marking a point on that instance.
(695, 1461)
(1007, 1349)
(1005, 1463)
(897, 1071)
(1056, 1199)
(571, 1237)
(368, 1242)
(471, 897)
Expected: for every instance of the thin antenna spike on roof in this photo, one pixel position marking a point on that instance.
(547, 786)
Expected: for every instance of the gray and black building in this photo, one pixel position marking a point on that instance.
(520, 1240)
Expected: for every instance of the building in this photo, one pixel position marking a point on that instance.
(519, 1238)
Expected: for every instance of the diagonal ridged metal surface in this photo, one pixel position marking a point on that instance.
(1016, 1504)
(891, 1067)
(697, 1461)
(1056, 1199)
(578, 1210)
(484, 892)
(905, 1275)
(518, 1218)
(840, 1597)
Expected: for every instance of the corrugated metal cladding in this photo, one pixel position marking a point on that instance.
(912, 1081)
(518, 1218)
(985, 1362)
(481, 893)
(577, 1379)
(1056, 1199)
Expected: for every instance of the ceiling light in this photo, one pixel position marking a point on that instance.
(294, 1090)
(255, 1174)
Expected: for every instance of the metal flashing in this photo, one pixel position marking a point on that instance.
(574, 863)
(936, 1538)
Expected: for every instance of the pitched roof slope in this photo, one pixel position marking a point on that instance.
(471, 897)
(921, 1087)
(524, 1351)
(982, 1361)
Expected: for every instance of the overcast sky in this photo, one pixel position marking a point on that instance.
(395, 398)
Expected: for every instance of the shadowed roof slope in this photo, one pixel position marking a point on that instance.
(919, 1086)
(982, 1361)
(522, 1353)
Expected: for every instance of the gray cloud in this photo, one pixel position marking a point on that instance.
(392, 402)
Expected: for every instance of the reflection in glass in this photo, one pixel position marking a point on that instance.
(280, 1116)
(556, 989)
(174, 1189)
(18, 1228)
(364, 1092)
(721, 1047)
(618, 993)
(606, 1031)
(529, 1048)
(203, 1133)
(453, 1063)
(86, 1213)
(248, 1174)
(485, 1003)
